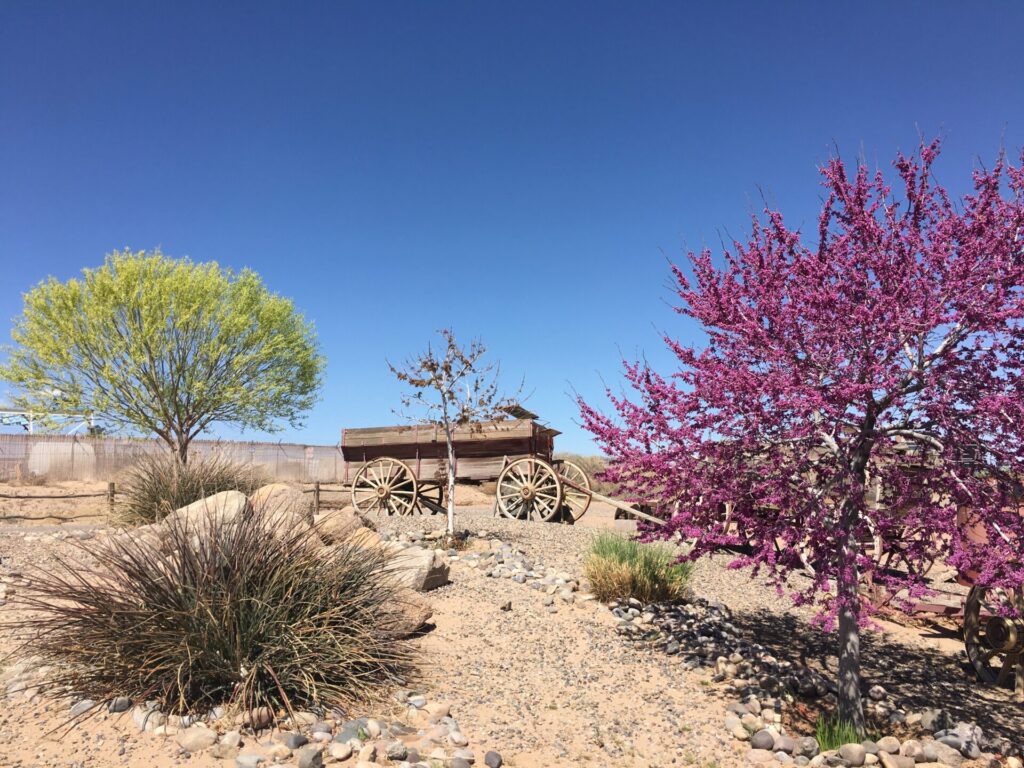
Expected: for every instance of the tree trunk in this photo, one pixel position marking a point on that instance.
(851, 707)
(451, 484)
(181, 449)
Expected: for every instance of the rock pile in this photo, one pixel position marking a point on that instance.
(702, 633)
(426, 736)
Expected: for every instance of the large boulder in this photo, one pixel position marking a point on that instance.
(337, 525)
(196, 518)
(413, 612)
(224, 507)
(420, 569)
(285, 506)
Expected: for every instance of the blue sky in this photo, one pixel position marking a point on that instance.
(519, 171)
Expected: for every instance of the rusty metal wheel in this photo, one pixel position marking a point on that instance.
(385, 486)
(994, 636)
(529, 489)
(577, 491)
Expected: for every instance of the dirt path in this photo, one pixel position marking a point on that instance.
(561, 689)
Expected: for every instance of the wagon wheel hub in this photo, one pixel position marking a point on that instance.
(383, 492)
(1004, 634)
(527, 492)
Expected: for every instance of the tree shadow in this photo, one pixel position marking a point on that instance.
(917, 677)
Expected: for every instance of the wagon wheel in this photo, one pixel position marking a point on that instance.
(385, 485)
(575, 500)
(994, 635)
(433, 492)
(529, 489)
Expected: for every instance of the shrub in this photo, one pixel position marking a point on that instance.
(620, 568)
(220, 611)
(158, 484)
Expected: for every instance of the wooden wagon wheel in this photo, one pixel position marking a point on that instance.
(432, 492)
(385, 485)
(529, 489)
(995, 640)
(575, 500)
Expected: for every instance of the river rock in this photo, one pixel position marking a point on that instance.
(806, 747)
(889, 744)
(853, 754)
(889, 760)
(310, 757)
(763, 739)
(196, 738)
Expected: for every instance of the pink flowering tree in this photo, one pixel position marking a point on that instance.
(859, 383)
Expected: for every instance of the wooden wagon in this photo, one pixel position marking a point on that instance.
(402, 469)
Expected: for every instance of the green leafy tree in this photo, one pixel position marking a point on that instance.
(165, 346)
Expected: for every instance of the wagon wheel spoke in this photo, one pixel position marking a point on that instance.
(1009, 663)
(577, 500)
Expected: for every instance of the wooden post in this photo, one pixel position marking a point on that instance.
(111, 492)
(316, 496)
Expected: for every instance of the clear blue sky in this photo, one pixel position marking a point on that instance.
(519, 171)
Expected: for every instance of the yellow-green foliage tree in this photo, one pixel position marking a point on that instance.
(164, 346)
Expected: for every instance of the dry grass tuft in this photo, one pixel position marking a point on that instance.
(226, 611)
(619, 568)
(158, 484)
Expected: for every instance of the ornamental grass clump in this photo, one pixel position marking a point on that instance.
(158, 484)
(619, 568)
(220, 611)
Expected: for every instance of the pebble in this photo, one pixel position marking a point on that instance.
(493, 760)
(396, 751)
(249, 761)
(310, 757)
(293, 740)
(81, 707)
(196, 738)
(763, 739)
(340, 751)
(120, 704)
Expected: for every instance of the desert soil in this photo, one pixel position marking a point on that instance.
(544, 689)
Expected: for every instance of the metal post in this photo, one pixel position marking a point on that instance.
(111, 491)
(316, 496)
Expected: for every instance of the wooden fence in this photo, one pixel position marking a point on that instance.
(58, 458)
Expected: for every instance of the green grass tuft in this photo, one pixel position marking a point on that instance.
(832, 733)
(620, 568)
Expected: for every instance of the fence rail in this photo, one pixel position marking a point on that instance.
(76, 457)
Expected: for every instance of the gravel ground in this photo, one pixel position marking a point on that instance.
(561, 688)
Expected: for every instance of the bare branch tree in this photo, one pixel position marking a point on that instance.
(450, 388)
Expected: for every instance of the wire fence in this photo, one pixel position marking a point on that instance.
(58, 458)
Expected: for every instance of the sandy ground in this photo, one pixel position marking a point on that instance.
(544, 689)
(36, 503)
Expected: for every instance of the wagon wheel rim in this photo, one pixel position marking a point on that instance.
(385, 486)
(994, 643)
(529, 489)
(576, 500)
